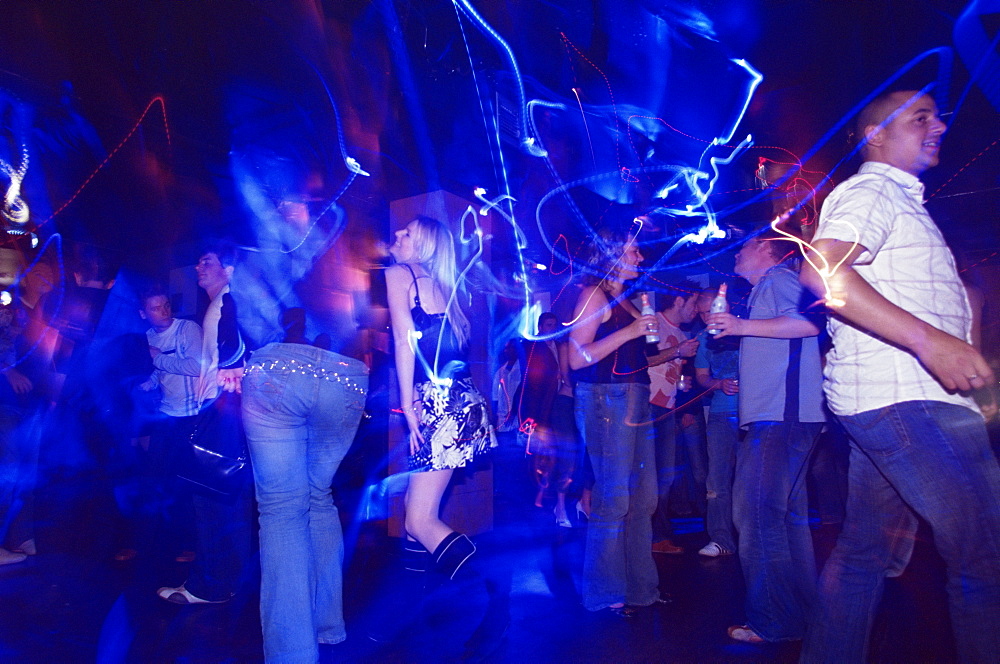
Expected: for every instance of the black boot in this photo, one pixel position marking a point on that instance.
(453, 560)
(492, 629)
(451, 555)
(400, 602)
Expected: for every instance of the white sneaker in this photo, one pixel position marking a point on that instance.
(181, 595)
(713, 550)
(11, 557)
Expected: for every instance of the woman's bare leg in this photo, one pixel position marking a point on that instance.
(423, 507)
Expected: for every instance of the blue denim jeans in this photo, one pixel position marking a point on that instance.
(722, 434)
(924, 458)
(770, 511)
(691, 462)
(665, 452)
(618, 560)
(222, 533)
(301, 409)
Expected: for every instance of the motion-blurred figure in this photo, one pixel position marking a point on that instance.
(25, 395)
(533, 405)
(506, 382)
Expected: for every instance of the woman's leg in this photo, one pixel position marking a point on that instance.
(423, 507)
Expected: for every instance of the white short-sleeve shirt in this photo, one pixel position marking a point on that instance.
(907, 262)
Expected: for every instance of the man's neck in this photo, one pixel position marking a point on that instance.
(160, 329)
(757, 277)
(214, 292)
(671, 317)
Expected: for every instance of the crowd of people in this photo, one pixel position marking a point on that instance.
(896, 387)
(635, 416)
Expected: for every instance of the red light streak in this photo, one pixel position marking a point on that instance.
(959, 171)
(155, 100)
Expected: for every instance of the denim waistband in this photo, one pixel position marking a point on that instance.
(309, 361)
(310, 355)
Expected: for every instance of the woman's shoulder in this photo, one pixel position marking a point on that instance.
(592, 295)
(397, 273)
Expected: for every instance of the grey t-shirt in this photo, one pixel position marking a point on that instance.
(780, 379)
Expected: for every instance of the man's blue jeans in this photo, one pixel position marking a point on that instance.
(691, 461)
(665, 453)
(770, 511)
(722, 435)
(924, 458)
(301, 409)
(618, 561)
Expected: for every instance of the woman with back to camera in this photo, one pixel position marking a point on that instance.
(607, 354)
(447, 417)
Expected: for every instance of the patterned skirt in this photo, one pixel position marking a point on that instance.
(455, 424)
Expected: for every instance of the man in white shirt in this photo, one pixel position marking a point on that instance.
(898, 379)
(664, 374)
(222, 523)
(175, 345)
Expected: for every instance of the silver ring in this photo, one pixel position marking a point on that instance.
(972, 377)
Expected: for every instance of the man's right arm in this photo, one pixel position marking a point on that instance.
(949, 359)
(186, 361)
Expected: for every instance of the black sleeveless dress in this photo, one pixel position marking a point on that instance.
(454, 418)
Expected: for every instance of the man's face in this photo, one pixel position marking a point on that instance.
(211, 274)
(703, 306)
(912, 141)
(547, 326)
(754, 258)
(157, 311)
(40, 280)
(688, 310)
(10, 266)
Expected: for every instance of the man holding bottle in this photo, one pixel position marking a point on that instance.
(780, 408)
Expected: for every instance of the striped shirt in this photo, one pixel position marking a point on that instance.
(177, 366)
(780, 379)
(907, 262)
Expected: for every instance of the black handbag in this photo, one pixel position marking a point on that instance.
(214, 457)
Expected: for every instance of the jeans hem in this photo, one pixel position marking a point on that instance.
(333, 642)
(768, 639)
(604, 605)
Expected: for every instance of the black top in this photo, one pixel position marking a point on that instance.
(438, 351)
(626, 364)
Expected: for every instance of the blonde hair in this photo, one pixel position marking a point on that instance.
(434, 249)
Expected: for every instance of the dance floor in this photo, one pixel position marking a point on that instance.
(74, 603)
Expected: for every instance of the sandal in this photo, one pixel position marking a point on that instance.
(624, 611)
(744, 633)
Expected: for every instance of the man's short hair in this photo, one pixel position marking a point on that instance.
(224, 250)
(782, 248)
(151, 291)
(878, 111)
(684, 289)
(546, 316)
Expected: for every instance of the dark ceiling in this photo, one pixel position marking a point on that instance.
(424, 96)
